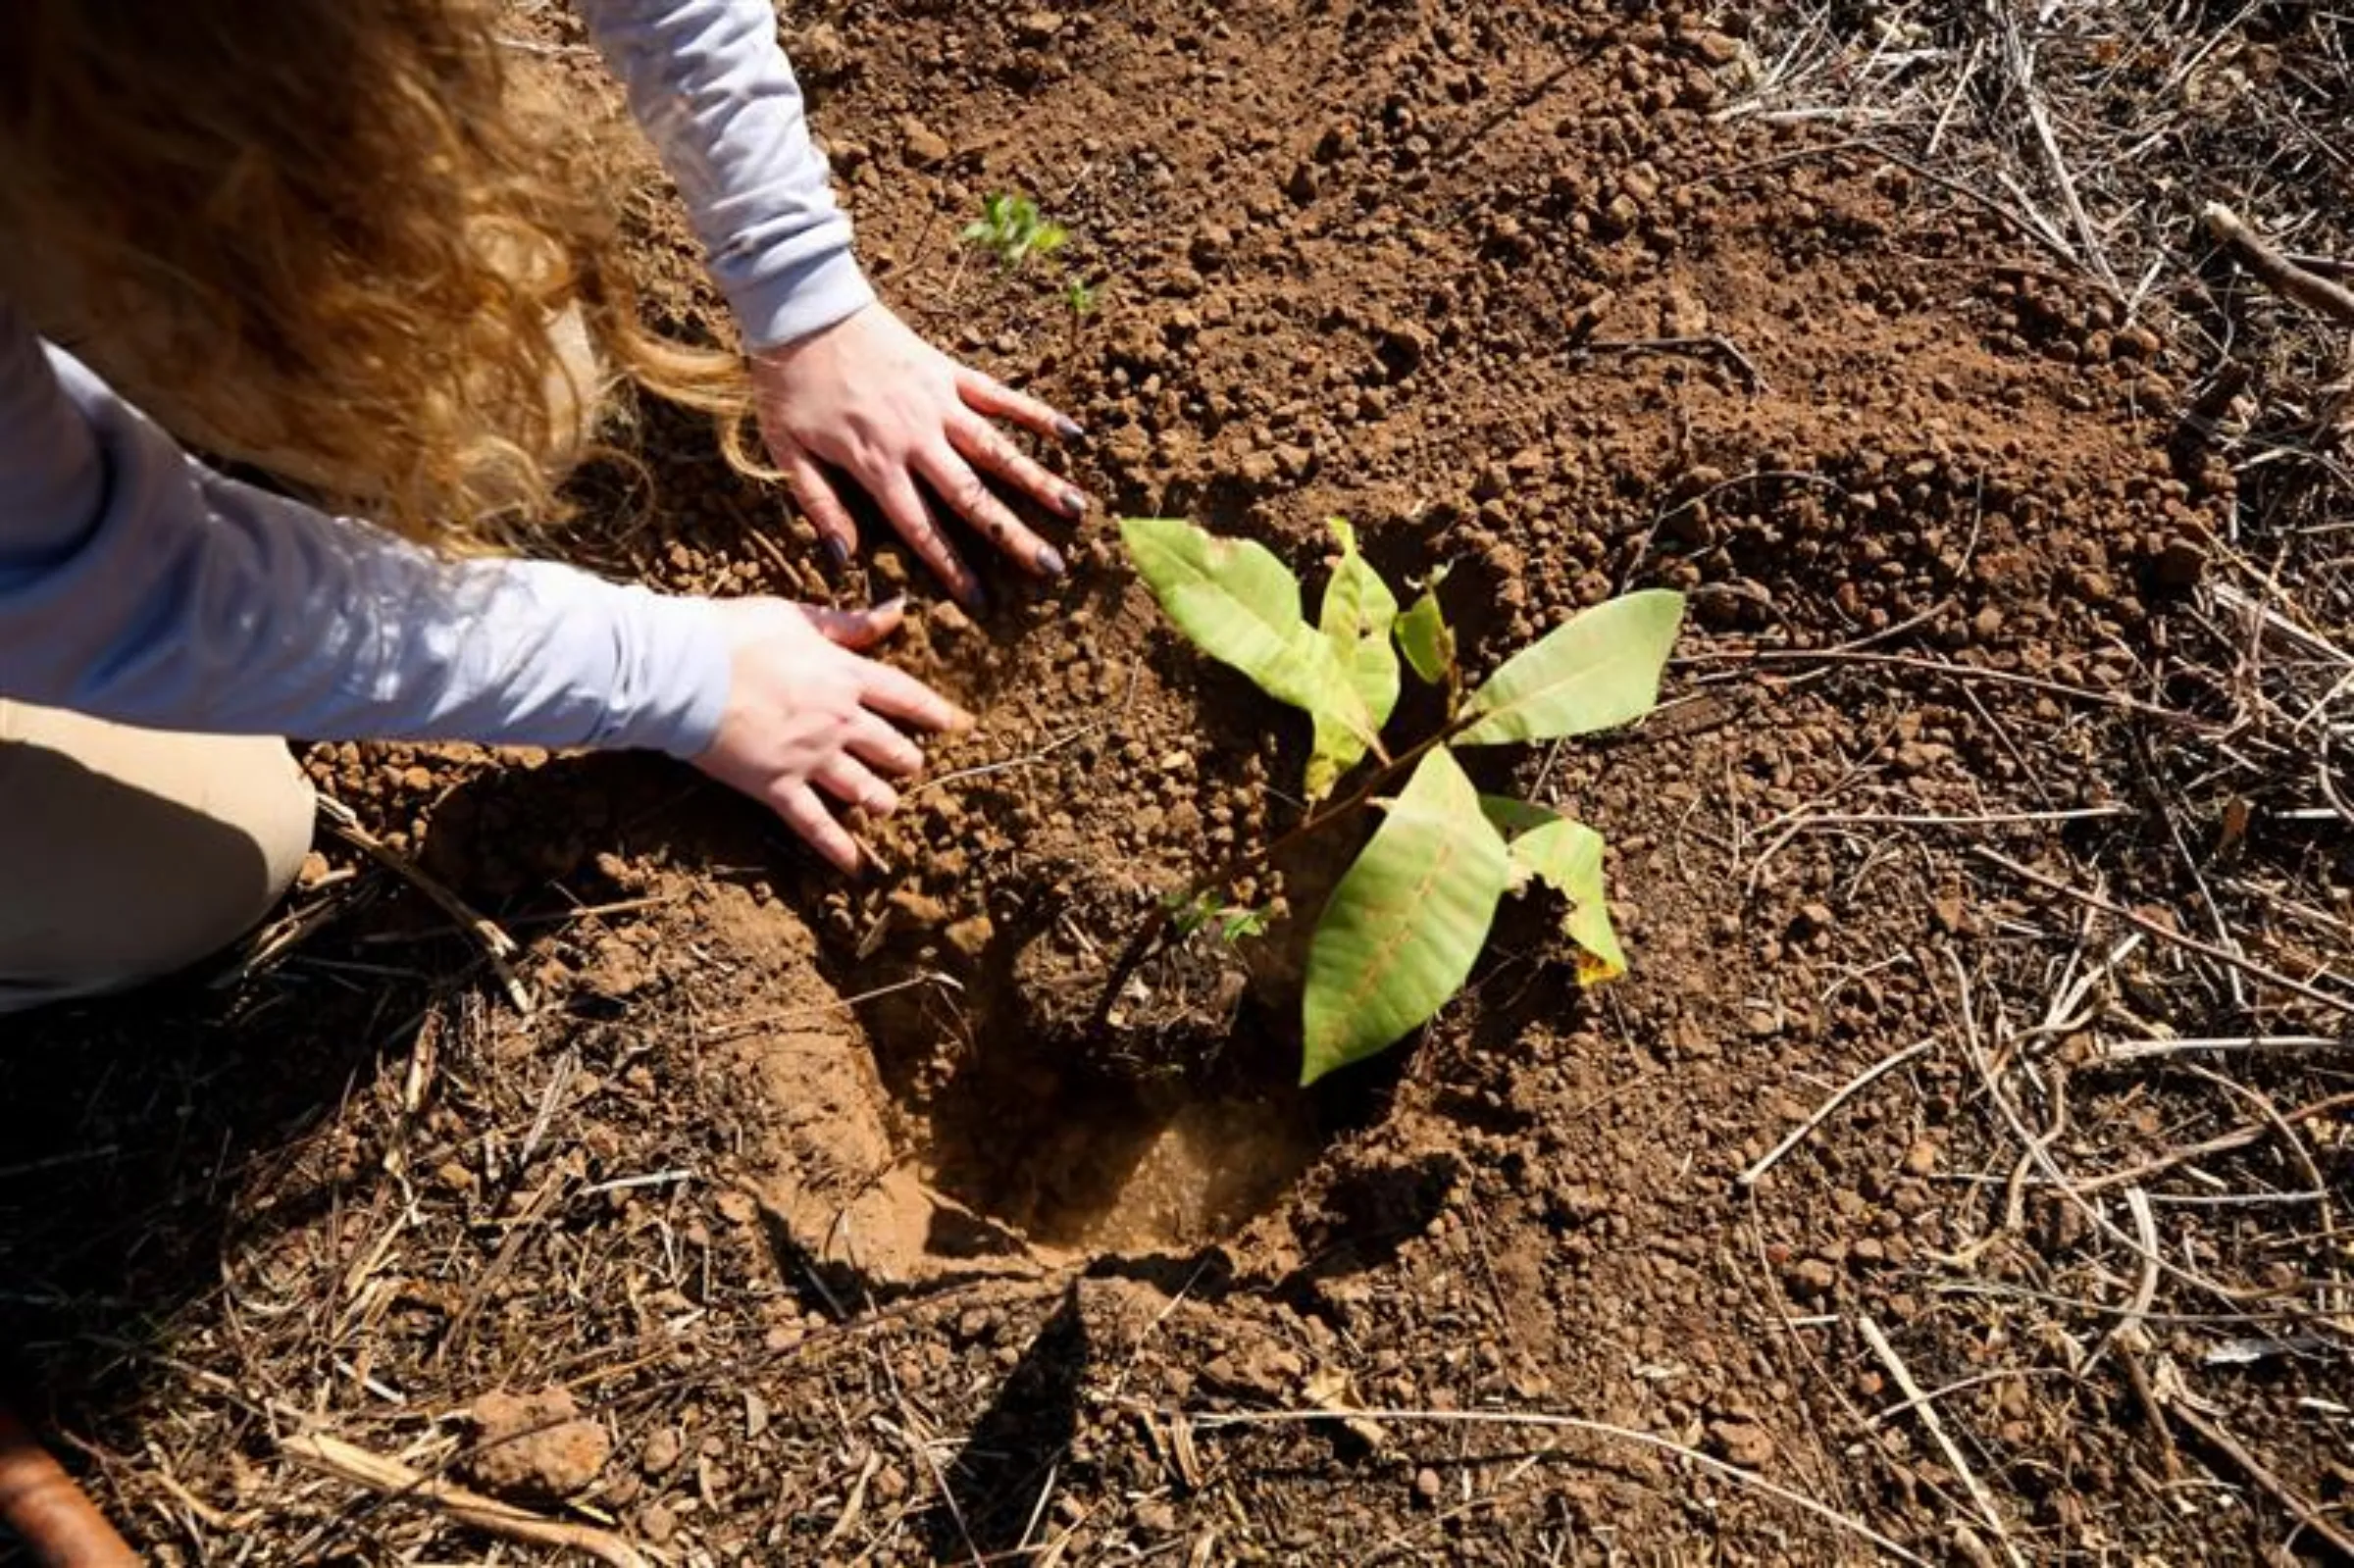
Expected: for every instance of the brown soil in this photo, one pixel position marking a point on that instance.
(871, 1239)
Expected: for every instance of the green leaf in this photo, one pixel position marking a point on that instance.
(1426, 641)
(1600, 669)
(1404, 925)
(1239, 604)
(1513, 817)
(1566, 856)
(1358, 612)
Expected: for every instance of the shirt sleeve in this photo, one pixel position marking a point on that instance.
(138, 586)
(710, 85)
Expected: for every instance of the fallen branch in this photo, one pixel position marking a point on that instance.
(345, 1462)
(40, 1502)
(2275, 270)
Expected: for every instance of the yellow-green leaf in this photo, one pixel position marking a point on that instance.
(1239, 604)
(1403, 928)
(1600, 669)
(1358, 613)
(1426, 641)
(1566, 856)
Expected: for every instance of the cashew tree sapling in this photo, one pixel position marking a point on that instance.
(1399, 935)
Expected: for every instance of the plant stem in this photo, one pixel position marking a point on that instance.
(1252, 861)
(1381, 775)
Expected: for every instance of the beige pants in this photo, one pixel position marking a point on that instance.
(125, 854)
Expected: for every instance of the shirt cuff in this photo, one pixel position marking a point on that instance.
(673, 686)
(783, 304)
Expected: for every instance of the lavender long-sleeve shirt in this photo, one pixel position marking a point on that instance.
(137, 584)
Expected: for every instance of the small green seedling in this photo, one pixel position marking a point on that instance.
(1011, 228)
(1080, 298)
(1206, 911)
(1401, 931)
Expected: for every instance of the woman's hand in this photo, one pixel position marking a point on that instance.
(872, 400)
(804, 712)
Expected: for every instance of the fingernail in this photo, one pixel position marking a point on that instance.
(1049, 561)
(1074, 503)
(974, 597)
(835, 551)
(1067, 427)
(891, 606)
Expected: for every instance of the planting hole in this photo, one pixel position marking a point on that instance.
(1166, 1125)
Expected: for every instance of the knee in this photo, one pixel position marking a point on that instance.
(276, 816)
(141, 860)
(257, 817)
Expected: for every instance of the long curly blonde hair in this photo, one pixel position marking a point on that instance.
(329, 236)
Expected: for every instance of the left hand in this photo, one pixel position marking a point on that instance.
(874, 400)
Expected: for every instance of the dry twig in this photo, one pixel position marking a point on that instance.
(1601, 1428)
(1902, 1375)
(1839, 1097)
(2118, 1052)
(497, 946)
(2307, 1512)
(348, 1462)
(2167, 933)
(2145, 1293)
(1715, 344)
(2275, 270)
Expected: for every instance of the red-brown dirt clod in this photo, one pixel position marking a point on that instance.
(537, 1446)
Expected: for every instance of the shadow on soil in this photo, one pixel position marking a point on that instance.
(126, 1128)
(994, 1488)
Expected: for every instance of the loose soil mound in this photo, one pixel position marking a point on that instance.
(878, 1229)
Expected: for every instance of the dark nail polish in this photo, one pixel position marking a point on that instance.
(1049, 561)
(1068, 428)
(974, 597)
(835, 551)
(1074, 503)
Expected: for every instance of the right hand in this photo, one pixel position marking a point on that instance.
(805, 713)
